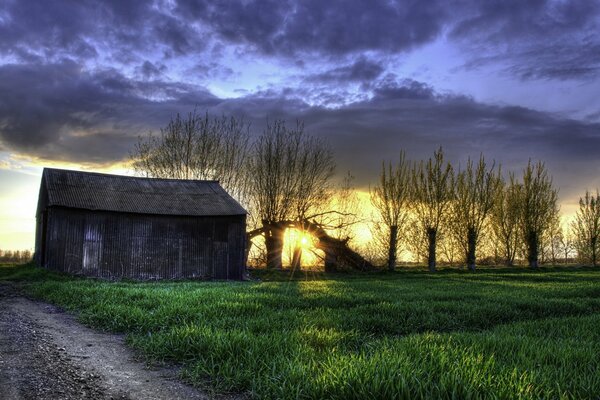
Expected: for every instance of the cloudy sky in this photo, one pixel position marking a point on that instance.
(80, 80)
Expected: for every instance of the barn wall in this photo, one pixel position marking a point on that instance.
(121, 245)
(39, 223)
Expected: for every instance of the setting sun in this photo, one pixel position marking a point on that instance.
(295, 239)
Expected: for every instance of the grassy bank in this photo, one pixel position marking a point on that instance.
(493, 334)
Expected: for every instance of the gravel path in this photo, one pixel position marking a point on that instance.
(46, 354)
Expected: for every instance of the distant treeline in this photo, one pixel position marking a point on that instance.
(15, 256)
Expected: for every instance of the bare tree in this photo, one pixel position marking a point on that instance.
(449, 247)
(197, 147)
(390, 197)
(290, 173)
(416, 241)
(539, 201)
(505, 218)
(432, 184)
(346, 202)
(378, 246)
(551, 239)
(475, 192)
(567, 243)
(314, 169)
(586, 227)
(333, 220)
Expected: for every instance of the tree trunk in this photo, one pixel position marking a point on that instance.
(247, 250)
(507, 249)
(431, 236)
(532, 248)
(593, 243)
(542, 254)
(330, 261)
(336, 251)
(274, 244)
(297, 258)
(392, 247)
(471, 243)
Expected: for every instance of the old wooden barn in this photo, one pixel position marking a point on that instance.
(112, 226)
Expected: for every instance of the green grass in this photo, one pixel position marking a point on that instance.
(494, 334)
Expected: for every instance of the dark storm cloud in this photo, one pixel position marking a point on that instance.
(149, 70)
(533, 39)
(388, 89)
(361, 70)
(49, 30)
(517, 20)
(546, 39)
(175, 35)
(30, 28)
(60, 111)
(63, 26)
(330, 27)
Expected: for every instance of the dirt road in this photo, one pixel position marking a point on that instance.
(46, 354)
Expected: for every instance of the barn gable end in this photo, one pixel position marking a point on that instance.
(111, 226)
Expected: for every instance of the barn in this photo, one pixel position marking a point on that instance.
(112, 226)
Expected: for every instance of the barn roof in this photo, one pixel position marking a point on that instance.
(95, 191)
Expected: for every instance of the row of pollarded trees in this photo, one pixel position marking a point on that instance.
(433, 197)
(586, 228)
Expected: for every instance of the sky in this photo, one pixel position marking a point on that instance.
(80, 81)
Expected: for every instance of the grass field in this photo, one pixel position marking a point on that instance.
(493, 334)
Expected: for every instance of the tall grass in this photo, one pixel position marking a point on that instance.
(508, 334)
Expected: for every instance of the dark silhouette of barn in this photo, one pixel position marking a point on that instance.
(112, 226)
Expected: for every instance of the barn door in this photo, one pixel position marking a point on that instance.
(92, 248)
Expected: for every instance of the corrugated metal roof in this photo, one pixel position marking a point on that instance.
(94, 191)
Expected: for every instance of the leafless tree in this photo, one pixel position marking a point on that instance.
(539, 203)
(416, 241)
(378, 246)
(551, 238)
(197, 147)
(450, 248)
(374, 250)
(586, 227)
(475, 192)
(314, 169)
(567, 243)
(505, 218)
(291, 173)
(346, 203)
(390, 197)
(432, 185)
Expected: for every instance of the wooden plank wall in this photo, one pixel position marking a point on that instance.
(143, 247)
